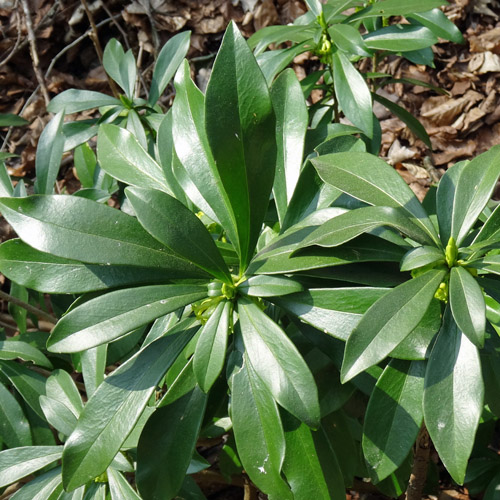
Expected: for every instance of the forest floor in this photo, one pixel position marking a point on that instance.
(462, 122)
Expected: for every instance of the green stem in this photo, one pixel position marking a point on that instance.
(31, 309)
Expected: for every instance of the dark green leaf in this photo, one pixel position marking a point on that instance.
(273, 62)
(278, 363)
(269, 286)
(332, 310)
(49, 154)
(291, 125)
(352, 93)
(193, 150)
(405, 116)
(258, 431)
(349, 225)
(466, 193)
(262, 38)
(388, 322)
(14, 426)
(110, 316)
(348, 39)
(17, 463)
(453, 397)
(11, 120)
(400, 38)
(393, 417)
(46, 273)
(121, 155)
(311, 451)
(29, 384)
(210, 351)
(174, 225)
(371, 180)
(421, 256)
(113, 410)
(439, 24)
(160, 442)
(85, 162)
(240, 127)
(61, 387)
(89, 232)
(73, 101)
(94, 364)
(467, 305)
(169, 59)
(387, 8)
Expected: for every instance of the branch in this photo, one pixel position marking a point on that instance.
(34, 52)
(420, 463)
(33, 310)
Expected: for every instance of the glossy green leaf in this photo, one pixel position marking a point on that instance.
(14, 426)
(13, 349)
(75, 100)
(371, 180)
(415, 347)
(121, 155)
(388, 322)
(348, 39)
(119, 487)
(291, 125)
(278, 363)
(439, 24)
(174, 225)
(136, 128)
(120, 66)
(405, 116)
(58, 415)
(393, 417)
(48, 486)
(19, 314)
(110, 316)
(349, 225)
(453, 397)
(489, 234)
(387, 8)
(467, 305)
(269, 286)
(17, 463)
(46, 273)
(421, 256)
(169, 59)
(336, 311)
(258, 431)
(400, 38)
(465, 192)
(311, 451)
(210, 352)
(49, 154)
(160, 442)
(490, 263)
(89, 232)
(352, 93)
(263, 37)
(6, 187)
(113, 410)
(240, 127)
(61, 387)
(29, 384)
(193, 150)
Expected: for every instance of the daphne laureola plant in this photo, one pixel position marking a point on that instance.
(311, 315)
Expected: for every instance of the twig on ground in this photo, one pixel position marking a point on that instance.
(34, 53)
(18, 40)
(97, 44)
(33, 310)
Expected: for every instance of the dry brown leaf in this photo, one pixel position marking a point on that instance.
(487, 41)
(455, 151)
(484, 62)
(442, 110)
(398, 153)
